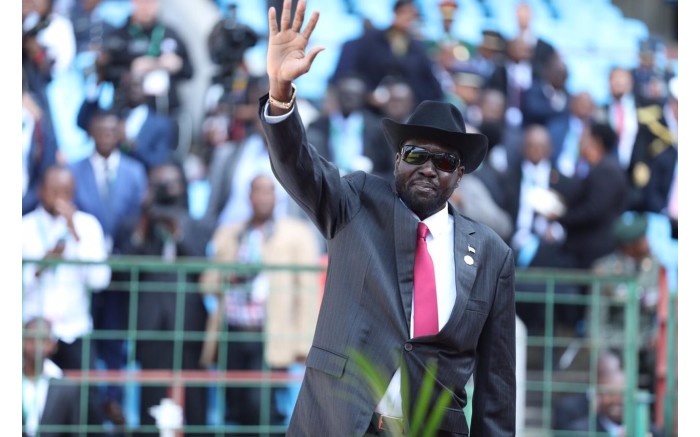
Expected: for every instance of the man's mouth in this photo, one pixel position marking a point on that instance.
(424, 186)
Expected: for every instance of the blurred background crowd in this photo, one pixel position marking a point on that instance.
(140, 136)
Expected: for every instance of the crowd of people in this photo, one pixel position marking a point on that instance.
(562, 175)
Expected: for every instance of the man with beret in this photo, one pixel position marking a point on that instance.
(633, 257)
(415, 292)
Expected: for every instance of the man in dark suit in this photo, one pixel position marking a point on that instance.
(394, 51)
(547, 98)
(376, 308)
(166, 230)
(593, 204)
(652, 161)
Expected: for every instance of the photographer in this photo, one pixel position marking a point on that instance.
(166, 230)
(149, 48)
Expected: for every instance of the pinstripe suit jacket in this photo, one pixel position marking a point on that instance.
(366, 307)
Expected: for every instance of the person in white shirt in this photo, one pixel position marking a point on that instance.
(56, 230)
(44, 404)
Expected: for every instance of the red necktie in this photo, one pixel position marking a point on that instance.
(619, 118)
(424, 292)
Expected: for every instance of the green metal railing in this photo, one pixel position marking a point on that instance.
(636, 412)
(637, 403)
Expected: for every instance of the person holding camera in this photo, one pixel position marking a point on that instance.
(147, 47)
(166, 230)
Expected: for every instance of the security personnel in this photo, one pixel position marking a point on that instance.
(633, 257)
(657, 133)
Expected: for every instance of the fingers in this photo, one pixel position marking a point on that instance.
(272, 20)
(309, 58)
(299, 16)
(311, 25)
(286, 14)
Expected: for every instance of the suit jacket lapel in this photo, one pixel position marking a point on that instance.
(466, 251)
(48, 415)
(405, 232)
(87, 176)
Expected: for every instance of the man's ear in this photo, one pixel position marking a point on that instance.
(397, 161)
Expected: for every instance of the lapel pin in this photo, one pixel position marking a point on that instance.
(469, 260)
(471, 249)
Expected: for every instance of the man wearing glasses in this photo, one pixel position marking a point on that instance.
(416, 294)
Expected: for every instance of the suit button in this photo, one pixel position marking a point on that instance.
(408, 347)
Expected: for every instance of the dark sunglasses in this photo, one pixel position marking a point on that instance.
(416, 155)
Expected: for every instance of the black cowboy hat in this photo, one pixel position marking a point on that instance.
(443, 123)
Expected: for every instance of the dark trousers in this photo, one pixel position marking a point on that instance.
(77, 356)
(156, 354)
(109, 309)
(158, 313)
(244, 405)
(549, 255)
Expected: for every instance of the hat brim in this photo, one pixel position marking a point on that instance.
(472, 147)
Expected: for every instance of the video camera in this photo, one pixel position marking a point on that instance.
(228, 42)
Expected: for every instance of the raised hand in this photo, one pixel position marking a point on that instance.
(286, 54)
(67, 210)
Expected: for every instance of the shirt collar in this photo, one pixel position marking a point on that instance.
(438, 223)
(48, 218)
(112, 160)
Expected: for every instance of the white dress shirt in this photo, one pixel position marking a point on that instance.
(60, 293)
(440, 241)
(628, 134)
(34, 393)
(105, 169)
(535, 177)
(134, 121)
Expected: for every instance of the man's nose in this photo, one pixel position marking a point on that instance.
(428, 168)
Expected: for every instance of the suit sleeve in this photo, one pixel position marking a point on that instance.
(313, 182)
(159, 149)
(493, 412)
(187, 70)
(590, 208)
(307, 293)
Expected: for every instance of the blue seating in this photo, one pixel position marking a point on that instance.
(252, 13)
(115, 12)
(592, 35)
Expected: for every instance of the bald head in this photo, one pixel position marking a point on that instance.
(262, 197)
(620, 82)
(536, 144)
(611, 395)
(57, 185)
(582, 105)
(523, 14)
(144, 12)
